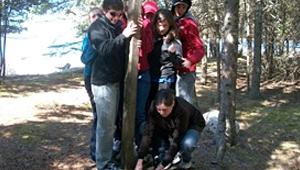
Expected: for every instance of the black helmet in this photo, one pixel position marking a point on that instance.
(176, 2)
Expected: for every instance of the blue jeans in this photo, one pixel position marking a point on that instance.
(167, 82)
(188, 144)
(106, 98)
(143, 89)
(185, 86)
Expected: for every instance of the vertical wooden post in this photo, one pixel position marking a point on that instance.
(128, 159)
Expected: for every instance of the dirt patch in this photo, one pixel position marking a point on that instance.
(45, 124)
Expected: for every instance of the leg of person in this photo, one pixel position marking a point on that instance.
(88, 87)
(152, 94)
(185, 87)
(116, 156)
(118, 123)
(106, 99)
(160, 143)
(187, 146)
(143, 89)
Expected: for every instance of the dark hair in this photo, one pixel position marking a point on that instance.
(96, 9)
(113, 4)
(172, 32)
(165, 96)
(176, 2)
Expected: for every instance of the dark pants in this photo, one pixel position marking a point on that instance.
(88, 87)
(143, 89)
(119, 119)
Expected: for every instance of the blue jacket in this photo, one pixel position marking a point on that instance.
(88, 56)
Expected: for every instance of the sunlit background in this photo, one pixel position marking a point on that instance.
(49, 43)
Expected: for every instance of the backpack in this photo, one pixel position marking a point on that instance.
(89, 53)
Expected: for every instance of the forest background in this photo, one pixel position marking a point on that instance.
(250, 73)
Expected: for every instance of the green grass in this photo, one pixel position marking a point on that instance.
(25, 134)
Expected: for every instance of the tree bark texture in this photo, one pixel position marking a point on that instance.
(228, 78)
(128, 159)
(249, 43)
(256, 71)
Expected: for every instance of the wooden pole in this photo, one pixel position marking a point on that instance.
(127, 152)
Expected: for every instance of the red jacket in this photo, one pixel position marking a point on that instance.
(192, 45)
(147, 45)
(148, 7)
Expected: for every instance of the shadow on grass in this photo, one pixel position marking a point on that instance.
(206, 94)
(15, 86)
(60, 140)
(261, 143)
(62, 112)
(270, 138)
(44, 145)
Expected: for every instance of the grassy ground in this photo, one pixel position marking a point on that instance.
(45, 124)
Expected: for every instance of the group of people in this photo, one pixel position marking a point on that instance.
(167, 122)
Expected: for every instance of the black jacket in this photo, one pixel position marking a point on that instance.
(184, 116)
(112, 47)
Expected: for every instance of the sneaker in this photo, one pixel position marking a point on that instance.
(176, 159)
(168, 167)
(156, 160)
(116, 145)
(112, 166)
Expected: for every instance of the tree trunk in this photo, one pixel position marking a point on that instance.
(203, 63)
(287, 46)
(1, 56)
(128, 159)
(228, 78)
(215, 45)
(256, 72)
(270, 56)
(249, 45)
(242, 26)
(4, 25)
(203, 67)
(3, 66)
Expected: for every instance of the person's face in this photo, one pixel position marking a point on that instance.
(113, 15)
(164, 110)
(180, 9)
(162, 25)
(149, 16)
(94, 15)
